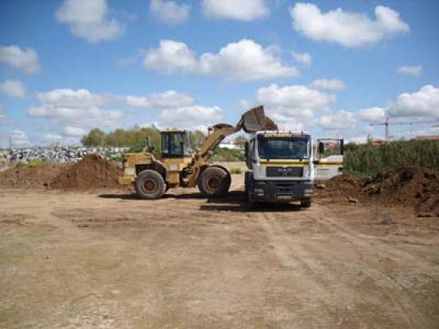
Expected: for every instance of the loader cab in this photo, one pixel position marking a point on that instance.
(176, 144)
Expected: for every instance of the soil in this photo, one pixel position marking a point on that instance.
(91, 172)
(40, 177)
(104, 259)
(408, 186)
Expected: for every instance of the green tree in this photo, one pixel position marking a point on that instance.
(197, 139)
(240, 141)
(95, 137)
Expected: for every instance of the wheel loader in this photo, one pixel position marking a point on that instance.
(177, 166)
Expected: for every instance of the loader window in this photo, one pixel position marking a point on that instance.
(176, 144)
(283, 148)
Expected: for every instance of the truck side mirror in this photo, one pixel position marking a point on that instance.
(341, 146)
(246, 148)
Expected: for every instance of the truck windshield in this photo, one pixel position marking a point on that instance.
(283, 148)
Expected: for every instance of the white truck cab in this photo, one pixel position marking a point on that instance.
(280, 167)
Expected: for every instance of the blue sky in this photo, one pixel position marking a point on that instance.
(329, 67)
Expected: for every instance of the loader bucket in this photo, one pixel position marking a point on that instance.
(255, 120)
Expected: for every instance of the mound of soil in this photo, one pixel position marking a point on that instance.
(407, 186)
(414, 186)
(347, 184)
(91, 172)
(40, 177)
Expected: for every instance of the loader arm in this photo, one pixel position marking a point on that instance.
(251, 121)
(201, 158)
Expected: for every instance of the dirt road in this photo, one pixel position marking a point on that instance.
(106, 260)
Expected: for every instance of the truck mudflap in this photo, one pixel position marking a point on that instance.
(279, 191)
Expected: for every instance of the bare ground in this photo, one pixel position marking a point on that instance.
(106, 260)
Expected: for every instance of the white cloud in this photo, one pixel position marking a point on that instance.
(90, 20)
(294, 107)
(18, 138)
(423, 103)
(164, 100)
(169, 12)
(348, 29)
(74, 131)
(2, 115)
(338, 120)
(77, 108)
(53, 138)
(13, 88)
(411, 71)
(242, 10)
(304, 58)
(70, 98)
(325, 84)
(294, 98)
(191, 117)
(244, 60)
(23, 59)
(171, 56)
(372, 115)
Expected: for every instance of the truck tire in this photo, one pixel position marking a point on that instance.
(305, 204)
(214, 182)
(149, 185)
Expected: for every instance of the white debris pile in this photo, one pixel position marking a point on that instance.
(58, 154)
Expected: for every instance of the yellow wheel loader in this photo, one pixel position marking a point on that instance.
(179, 167)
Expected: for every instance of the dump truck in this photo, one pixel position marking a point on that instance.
(280, 167)
(178, 166)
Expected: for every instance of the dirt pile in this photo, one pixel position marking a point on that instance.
(415, 186)
(345, 185)
(409, 186)
(40, 177)
(89, 173)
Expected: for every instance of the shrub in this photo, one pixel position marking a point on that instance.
(369, 160)
(236, 171)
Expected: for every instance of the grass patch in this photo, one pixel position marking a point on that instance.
(33, 164)
(236, 171)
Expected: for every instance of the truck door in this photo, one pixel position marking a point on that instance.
(328, 160)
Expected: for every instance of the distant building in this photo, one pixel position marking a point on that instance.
(427, 138)
(229, 145)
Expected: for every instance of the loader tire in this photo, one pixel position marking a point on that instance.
(149, 185)
(214, 182)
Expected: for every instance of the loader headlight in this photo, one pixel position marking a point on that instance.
(130, 171)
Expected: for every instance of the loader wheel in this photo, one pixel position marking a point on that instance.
(214, 182)
(149, 185)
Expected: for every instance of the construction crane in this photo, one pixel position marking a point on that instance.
(387, 123)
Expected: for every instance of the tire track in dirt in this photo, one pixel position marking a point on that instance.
(297, 259)
(364, 240)
(398, 297)
(290, 257)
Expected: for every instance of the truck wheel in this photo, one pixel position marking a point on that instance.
(305, 204)
(149, 185)
(214, 182)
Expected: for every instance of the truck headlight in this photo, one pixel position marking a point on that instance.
(259, 190)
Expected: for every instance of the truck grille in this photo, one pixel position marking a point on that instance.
(284, 171)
